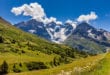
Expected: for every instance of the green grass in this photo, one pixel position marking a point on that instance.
(68, 67)
(102, 68)
(33, 56)
(16, 58)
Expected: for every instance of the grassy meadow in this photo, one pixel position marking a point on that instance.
(85, 64)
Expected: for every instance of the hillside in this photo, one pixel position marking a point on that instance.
(22, 51)
(94, 65)
(77, 67)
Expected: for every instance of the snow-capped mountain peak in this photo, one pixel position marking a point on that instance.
(54, 30)
(58, 32)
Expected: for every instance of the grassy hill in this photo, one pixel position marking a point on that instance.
(22, 51)
(94, 65)
(78, 67)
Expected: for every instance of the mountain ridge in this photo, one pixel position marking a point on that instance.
(61, 33)
(52, 29)
(86, 37)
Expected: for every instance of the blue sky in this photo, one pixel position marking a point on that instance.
(62, 10)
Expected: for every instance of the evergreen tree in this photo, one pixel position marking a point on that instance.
(4, 67)
(1, 39)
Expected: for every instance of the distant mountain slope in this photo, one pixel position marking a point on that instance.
(82, 36)
(34, 27)
(87, 38)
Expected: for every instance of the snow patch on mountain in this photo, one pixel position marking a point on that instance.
(32, 31)
(90, 34)
(107, 35)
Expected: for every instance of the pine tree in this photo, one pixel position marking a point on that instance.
(4, 67)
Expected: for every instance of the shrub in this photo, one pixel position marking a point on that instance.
(16, 68)
(13, 41)
(22, 51)
(56, 61)
(36, 65)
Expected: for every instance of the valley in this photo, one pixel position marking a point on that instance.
(54, 37)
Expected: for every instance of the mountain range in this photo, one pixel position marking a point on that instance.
(51, 31)
(82, 36)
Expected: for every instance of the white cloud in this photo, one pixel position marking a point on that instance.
(52, 19)
(59, 23)
(69, 21)
(87, 18)
(48, 20)
(34, 10)
(73, 23)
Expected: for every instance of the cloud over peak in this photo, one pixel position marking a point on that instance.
(73, 23)
(34, 10)
(87, 18)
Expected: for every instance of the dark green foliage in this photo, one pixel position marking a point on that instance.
(52, 64)
(22, 51)
(15, 50)
(13, 41)
(20, 64)
(1, 39)
(36, 65)
(17, 68)
(4, 68)
(56, 61)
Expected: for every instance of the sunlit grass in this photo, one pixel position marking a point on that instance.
(66, 68)
(102, 68)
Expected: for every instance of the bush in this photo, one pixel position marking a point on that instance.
(13, 41)
(17, 68)
(36, 65)
(56, 61)
(22, 51)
